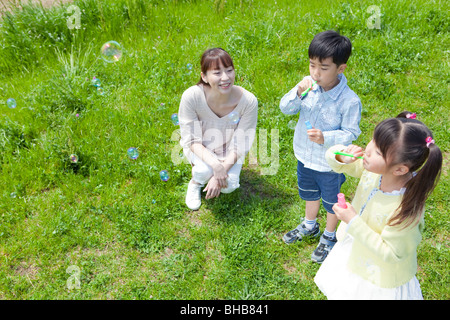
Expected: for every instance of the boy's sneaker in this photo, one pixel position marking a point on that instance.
(301, 231)
(324, 247)
(194, 196)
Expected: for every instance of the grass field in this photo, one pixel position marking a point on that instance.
(127, 232)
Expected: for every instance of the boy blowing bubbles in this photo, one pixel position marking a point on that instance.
(334, 112)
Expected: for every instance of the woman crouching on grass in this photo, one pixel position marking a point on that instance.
(217, 124)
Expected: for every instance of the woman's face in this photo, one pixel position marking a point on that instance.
(220, 79)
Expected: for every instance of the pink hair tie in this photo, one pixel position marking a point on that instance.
(429, 141)
(411, 115)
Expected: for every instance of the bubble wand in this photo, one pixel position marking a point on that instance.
(307, 90)
(341, 200)
(347, 155)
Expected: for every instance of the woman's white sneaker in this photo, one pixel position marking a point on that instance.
(193, 195)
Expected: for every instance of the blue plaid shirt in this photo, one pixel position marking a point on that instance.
(336, 112)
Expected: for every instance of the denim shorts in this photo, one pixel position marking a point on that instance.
(315, 185)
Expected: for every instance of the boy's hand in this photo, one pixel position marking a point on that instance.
(315, 135)
(303, 85)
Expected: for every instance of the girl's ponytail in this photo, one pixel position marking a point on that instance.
(406, 140)
(420, 186)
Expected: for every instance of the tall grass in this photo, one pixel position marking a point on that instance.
(129, 232)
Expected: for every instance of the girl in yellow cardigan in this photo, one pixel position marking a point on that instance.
(375, 256)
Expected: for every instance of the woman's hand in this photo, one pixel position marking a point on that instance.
(219, 168)
(344, 214)
(221, 175)
(212, 189)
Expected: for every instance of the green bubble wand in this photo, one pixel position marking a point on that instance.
(347, 155)
(307, 90)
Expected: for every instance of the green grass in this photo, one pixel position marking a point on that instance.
(129, 232)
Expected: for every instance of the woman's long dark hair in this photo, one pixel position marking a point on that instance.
(402, 140)
(211, 59)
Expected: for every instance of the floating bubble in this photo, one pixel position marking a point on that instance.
(73, 158)
(132, 153)
(189, 66)
(164, 175)
(233, 117)
(96, 82)
(111, 51)
(292, 124)
(100, 91)
(11, 103)
(174, 118)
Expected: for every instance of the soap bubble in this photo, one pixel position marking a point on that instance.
(11, 103)
(189, 68)
(73, 158)
(164, 175)
(174, 118)
(111, 51)
(98, 85)
(292, 124)
(100, 91)
(233, 117)
(95, 82)
(132, 153)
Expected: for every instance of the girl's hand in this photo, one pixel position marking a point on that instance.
(344, 214)
(351, 149)
(212, 189)
(303, 85)
(315, 135)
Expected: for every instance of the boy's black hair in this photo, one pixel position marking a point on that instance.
(330, 44)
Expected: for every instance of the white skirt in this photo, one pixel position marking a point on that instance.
(338, 283)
